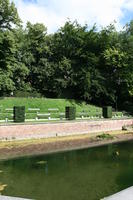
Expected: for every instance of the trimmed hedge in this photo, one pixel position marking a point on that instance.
(19, 113)
(107, 111)
(70, 113)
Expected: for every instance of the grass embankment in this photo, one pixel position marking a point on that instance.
(44, 104)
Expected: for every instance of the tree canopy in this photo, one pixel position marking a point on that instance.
(74, 62)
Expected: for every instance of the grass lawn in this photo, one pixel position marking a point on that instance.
(44, 104)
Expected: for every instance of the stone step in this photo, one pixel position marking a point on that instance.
(11, 198)
(126, 194)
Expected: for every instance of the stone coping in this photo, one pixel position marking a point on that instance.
(11, 198)
(63, 121)
(126, 194)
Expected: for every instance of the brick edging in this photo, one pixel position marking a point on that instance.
(46, 130)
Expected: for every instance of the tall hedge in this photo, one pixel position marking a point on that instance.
(19, 114)
(70, 113)
(107, 111)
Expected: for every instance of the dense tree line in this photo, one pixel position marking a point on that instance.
(75, 62)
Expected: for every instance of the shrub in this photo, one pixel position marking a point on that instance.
(107, 112)
(19, 93)
(70, 113)
(19, 113)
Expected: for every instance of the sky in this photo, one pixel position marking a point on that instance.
(54, 13)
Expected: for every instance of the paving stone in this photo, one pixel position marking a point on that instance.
(126, 194)
(11, 198)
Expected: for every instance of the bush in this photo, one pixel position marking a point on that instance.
(107, 112)
(117, 114)
(70, 113)
(19, 113)
(128, 107)
(19, 93)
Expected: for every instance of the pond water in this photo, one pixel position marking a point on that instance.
(88, 174)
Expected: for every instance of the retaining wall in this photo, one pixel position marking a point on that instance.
(45, 130)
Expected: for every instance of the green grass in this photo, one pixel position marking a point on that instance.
(82, 109)
(44, 104)
(105, 136)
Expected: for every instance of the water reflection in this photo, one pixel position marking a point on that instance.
(88, 174)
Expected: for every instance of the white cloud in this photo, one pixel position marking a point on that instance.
(54, 13)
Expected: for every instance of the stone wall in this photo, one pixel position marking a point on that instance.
(45, 130)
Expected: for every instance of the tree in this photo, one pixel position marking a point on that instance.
(12, 70)
(116, 66)
(126, 38)
(37, 56)
(72, 42)
(75, 62)
(8, 15)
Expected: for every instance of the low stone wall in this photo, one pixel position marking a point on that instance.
(46, 130)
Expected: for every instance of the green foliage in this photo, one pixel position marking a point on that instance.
(8, 15)
(105, 136)
(19, 113)
(19, 93)
(75, 62)
(37, 54)
(107, 112)
(70, 113)
(114, 58)
(117, 114)
(12, 71)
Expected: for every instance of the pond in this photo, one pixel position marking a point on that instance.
(88, 174)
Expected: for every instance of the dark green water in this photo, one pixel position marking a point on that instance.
(88, 174)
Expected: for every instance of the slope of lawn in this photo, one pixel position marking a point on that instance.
(44, 104)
